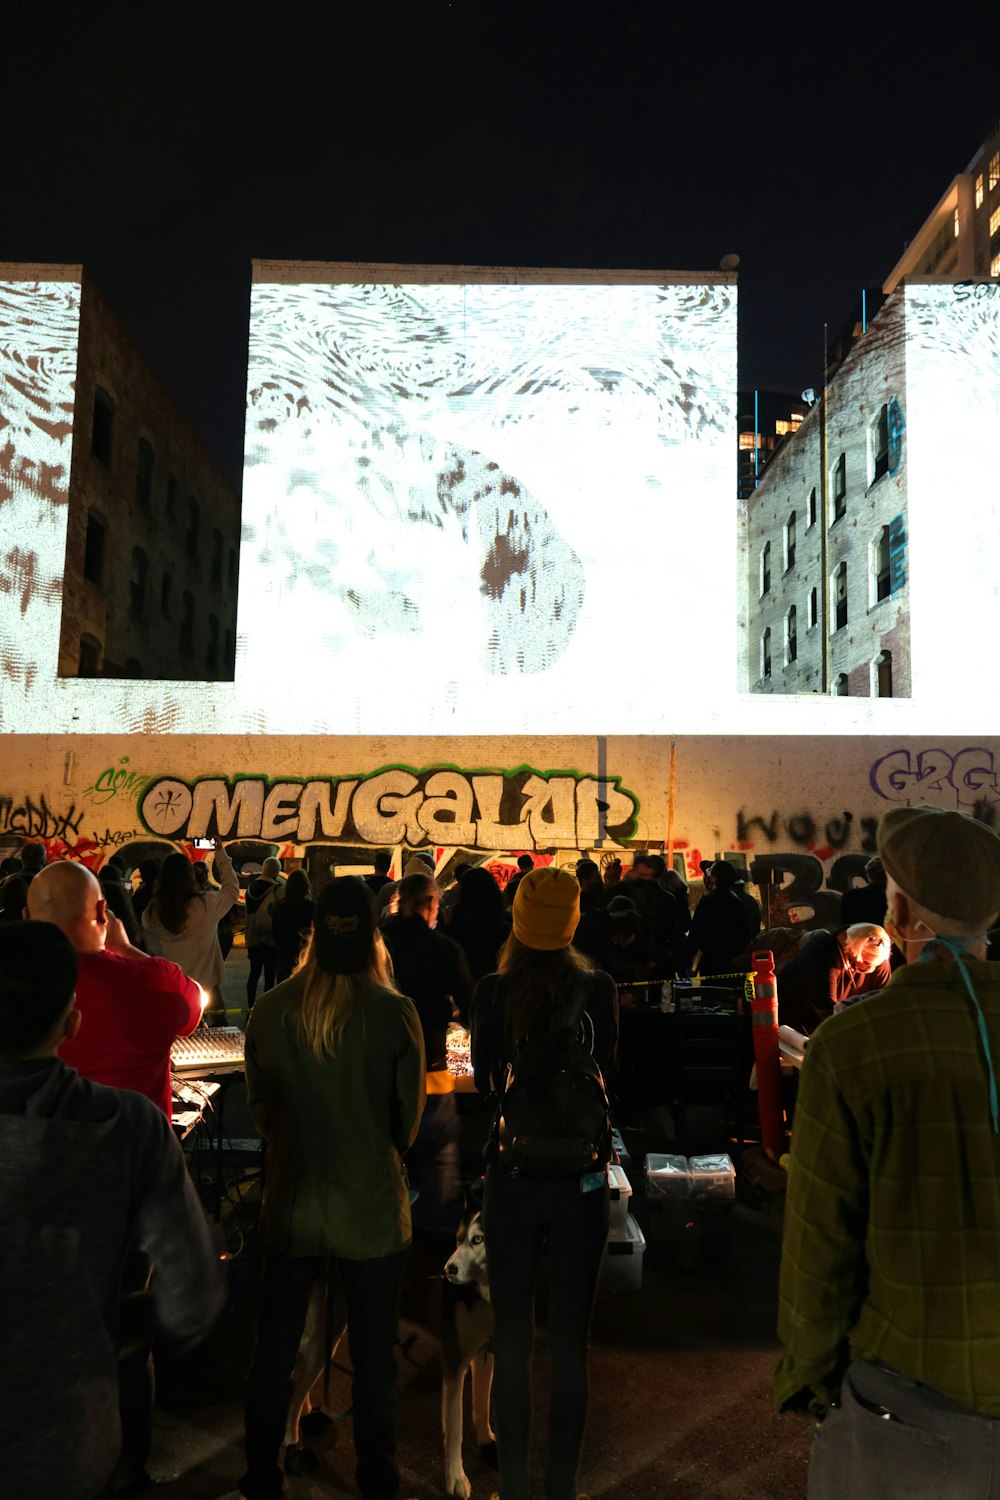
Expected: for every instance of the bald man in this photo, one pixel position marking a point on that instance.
(133, 1007)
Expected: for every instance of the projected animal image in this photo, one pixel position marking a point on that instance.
(464, 459)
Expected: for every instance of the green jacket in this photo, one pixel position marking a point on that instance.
(335, 1182)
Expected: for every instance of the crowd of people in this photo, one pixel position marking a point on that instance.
(893, 1220)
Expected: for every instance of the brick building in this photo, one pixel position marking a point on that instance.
(153, 525)
(825, 536)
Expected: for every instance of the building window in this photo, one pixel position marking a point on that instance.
(878, 445)
(765, 653)
(748, 441)
(840, 597)
(166, 585)
(995, 221)
(144, 464)
(217, 556)
(979, 191)
(765, 569)
(187, 625)
(791, 636)
(995, 266)
(138, 582)
(838, 487)
(813, 607)
(812, 507)
(881, 579)
(212, 649)
(840, 685)
(191, 535)
(93, 547)
(994, 169)
(882, 674)
(231, 570)
(133, 668)
(790, 541)
(90, 651)
(102, 434)
(171, 505)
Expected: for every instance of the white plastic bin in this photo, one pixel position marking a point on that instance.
(622, 1268)
(620, 1197)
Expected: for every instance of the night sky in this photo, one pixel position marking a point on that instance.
(164, 147)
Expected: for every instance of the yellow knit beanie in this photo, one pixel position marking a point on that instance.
(546, 908)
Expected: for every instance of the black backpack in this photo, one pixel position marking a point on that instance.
(553, 1118)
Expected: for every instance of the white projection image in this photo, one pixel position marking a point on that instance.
(455, 493)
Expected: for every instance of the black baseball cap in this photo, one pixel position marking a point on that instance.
(344, 927)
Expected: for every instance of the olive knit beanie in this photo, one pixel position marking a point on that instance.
(546, 908)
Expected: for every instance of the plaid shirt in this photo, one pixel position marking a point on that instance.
(892, 1225)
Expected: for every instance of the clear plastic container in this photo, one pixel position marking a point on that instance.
(667, 1176)
(712, 1176)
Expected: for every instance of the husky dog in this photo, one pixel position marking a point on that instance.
(463, 1324)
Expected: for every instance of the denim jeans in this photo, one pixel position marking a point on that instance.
(372, 1290)
(898, 1440)
(524, 1221)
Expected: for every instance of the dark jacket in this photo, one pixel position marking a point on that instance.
(491, 1049)
(480, 938)
(817, 979)
(432, 970)
(85, 1172)
(720, 930)
(290, 924)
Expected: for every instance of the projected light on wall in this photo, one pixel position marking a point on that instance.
(453, 491)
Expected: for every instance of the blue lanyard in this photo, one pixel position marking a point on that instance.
(958, 947)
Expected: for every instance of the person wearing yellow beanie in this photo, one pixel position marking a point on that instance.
(542, 983)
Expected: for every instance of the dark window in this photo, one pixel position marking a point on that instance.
(138, 582)
(882, 579)
(166, 584)
(133, 668)
(93, 550)
(212, 649)
(187, 626)
(792, 633)
(813, 607)
(171, 505)
(880, 444)
(840, 597)
(765, 653)
(790, 542)
(231, 571)
(191, 535)
(144, 465)
(812, 508)
(102, 436)
(840, 685)
(840, 487)
(765, 569)
(216, 556)
(883, 675)
(90, 650)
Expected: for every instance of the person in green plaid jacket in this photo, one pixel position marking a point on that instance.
(889, 1309)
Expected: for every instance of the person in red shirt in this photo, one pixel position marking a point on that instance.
(133, 1007)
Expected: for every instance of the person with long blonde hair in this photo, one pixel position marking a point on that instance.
(335, 1083)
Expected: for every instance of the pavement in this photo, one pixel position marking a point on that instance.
(680, 1369)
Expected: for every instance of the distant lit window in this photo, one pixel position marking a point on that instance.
(840, 597)
(102, 434)
(791, 635)
(995, 266)
(166, 587)
(231, 569)
(765, 567)
(878, 444)
(840, 685)
(880, 574)
(783, 428)
(212, 649)
(790, 541)
(813, 607)
(882, 675)
(216, 556)
(90, 652)
(956, 228)
(93, 547)
(839, 487)
(995, 169)
(748, 441)
(187, 625)
(144, 465)
(812, 507)
(193, 522)
(137, 582)
(765, 652)
(995, 221)
(979, 191)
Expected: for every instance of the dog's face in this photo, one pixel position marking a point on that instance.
(468, 1263)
